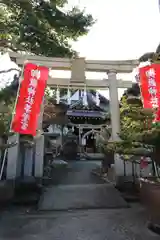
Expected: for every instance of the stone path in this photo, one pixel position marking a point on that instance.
(78, 188)
(115, 224)
(89, 224)
(88, 196)
(78, 172)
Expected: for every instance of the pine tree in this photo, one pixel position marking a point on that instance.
(136, 128)
(139, 136)
(42, 27)
(37, 27)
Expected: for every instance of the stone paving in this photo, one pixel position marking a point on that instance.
(88, 196)
(118, 224)
(89, 224)
(78, 188)
(79, 172)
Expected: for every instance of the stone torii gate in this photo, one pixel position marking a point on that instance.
(78, 68)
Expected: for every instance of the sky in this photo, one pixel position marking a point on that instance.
(125, 29)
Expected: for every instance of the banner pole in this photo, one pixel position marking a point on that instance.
(13, 113)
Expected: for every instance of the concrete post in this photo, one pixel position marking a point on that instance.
(28, 162)
(1, 142)
(39, 157)
(115, 121)
(20, 166)
(114, 105)
(13, 158)
(39, 149)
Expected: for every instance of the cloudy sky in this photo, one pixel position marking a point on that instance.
(125, 29)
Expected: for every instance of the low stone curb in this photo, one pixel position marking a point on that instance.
(127, 196)
(21, 191)
(6, 191)
(104, 178)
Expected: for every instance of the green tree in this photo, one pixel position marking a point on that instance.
(151, 56)
(42, 27)
(136, 128)
(138, 135)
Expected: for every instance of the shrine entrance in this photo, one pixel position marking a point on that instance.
(91, 142)
(83, 124)
(78, 69)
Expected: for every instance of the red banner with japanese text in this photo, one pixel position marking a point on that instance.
(150, 87)
(30, 98)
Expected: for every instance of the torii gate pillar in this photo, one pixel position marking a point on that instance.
(114, 104)
(115, 119)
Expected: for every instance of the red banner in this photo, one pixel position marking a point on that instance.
(150, 87)
(30, 99)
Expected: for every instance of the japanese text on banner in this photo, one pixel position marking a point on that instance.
(30, 99)
(150, 87)
(35, 75)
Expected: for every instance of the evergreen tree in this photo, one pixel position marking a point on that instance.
(136, 128)
(139, 136)
(42, 27)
